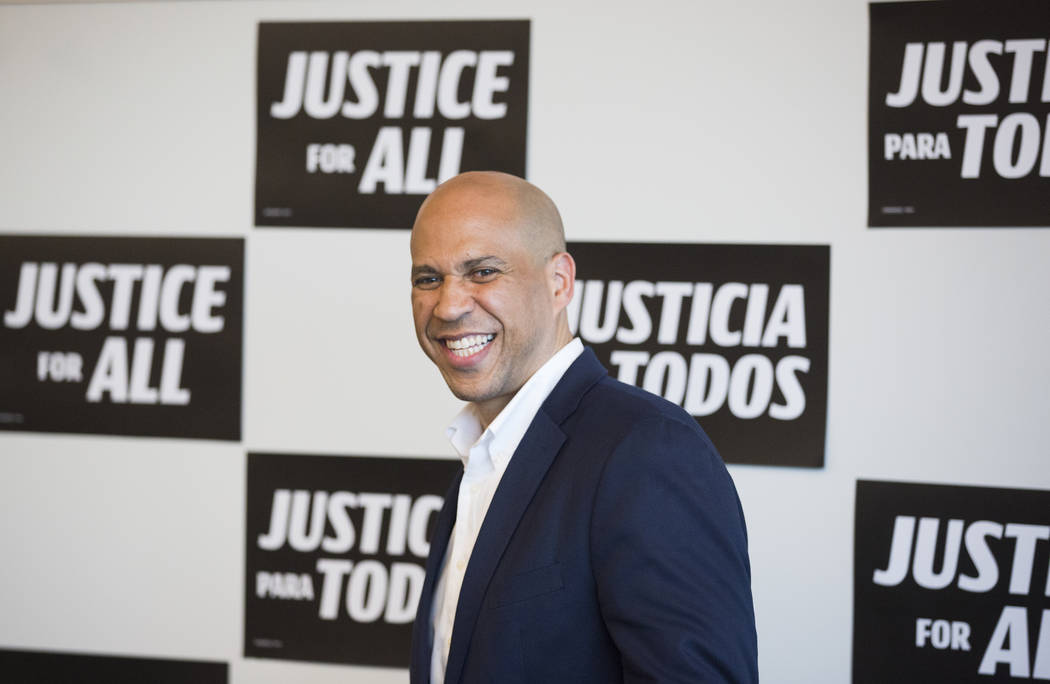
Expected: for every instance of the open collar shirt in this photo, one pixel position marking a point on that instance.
(485, 453)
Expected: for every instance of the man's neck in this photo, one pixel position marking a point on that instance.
(489, 409)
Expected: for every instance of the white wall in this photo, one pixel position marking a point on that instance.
(662, 121)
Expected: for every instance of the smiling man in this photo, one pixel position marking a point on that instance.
(594, 534)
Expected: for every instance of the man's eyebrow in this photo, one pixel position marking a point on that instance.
(466, 266)
(424, 269)
(491, 260)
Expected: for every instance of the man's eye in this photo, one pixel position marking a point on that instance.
(484, 274)
(426, 282)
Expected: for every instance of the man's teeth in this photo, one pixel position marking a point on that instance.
(471, 344)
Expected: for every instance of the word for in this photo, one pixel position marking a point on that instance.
(942, 634)
(330, 158)
(59, 366)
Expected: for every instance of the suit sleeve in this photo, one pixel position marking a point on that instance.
(669, 553)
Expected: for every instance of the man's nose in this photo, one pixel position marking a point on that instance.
(455, 299)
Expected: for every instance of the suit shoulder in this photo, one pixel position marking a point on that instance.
(617, 397)
(624, 408)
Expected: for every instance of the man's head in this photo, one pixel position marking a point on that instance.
(490, 283)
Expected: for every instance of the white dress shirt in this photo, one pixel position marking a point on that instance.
(485, 457)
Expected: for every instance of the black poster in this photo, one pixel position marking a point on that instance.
(735, 334)
(336, 549)
(959, 114)
(121, 335)
(950, 584)
(31, 667)
(358, 121)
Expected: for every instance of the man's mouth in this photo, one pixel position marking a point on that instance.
(468, 345)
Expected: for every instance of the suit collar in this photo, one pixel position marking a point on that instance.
(584, 372)
(523, 476)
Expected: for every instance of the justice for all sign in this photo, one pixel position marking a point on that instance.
(122, 336)
(950, 584)
(959, 114)
(357, 121)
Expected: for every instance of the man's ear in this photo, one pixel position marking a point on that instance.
(563, 278)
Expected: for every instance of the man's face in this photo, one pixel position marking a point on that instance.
(483, 303)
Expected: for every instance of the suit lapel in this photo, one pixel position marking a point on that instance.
(422, 644)
(526, 470)
(524, 473)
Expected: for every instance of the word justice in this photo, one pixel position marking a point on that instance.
(47, 295)
(298, 518)
(438, 82)
(930, 72)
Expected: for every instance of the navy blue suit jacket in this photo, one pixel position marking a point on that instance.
(613, 550)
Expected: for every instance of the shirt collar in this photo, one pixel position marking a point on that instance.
(507, 429)
(464, 431)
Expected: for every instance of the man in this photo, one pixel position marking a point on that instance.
(594, 534)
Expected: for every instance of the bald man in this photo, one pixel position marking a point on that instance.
(594, 534)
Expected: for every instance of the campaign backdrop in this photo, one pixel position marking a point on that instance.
(49, 666)
(735, 334)
(358, 121)
(951, 584)
(123, 336)
(707, 160)
(335, 555)
(959, 114)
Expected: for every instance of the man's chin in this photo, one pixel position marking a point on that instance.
(467, 394)
(469, 391)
